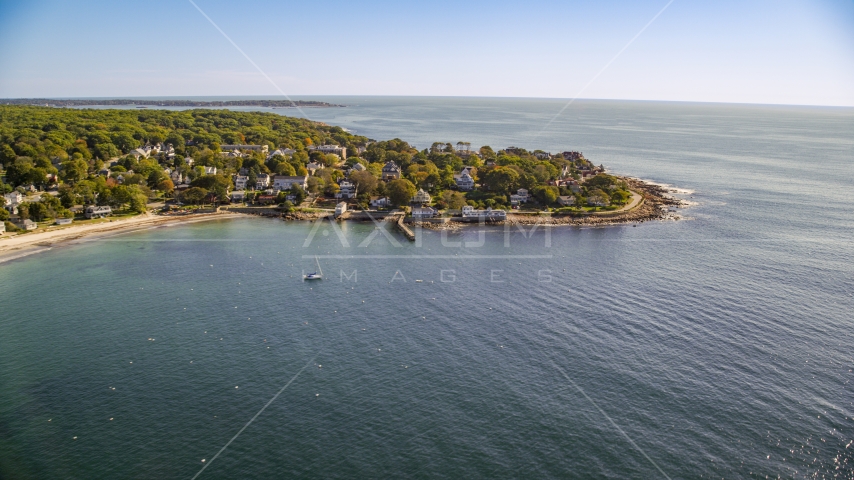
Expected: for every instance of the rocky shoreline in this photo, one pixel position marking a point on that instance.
(656, 205)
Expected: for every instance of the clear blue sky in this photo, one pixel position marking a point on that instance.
(748, 51)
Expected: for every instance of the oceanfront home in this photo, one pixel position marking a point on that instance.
(97, 211)
(63, 221)
(240, 182)
(238, 196)
(391, 171)
(488, 214)
(379, 202)
(27, 224)
(285, 182)
(2, 228)
(521, 196)
(423, 212)
(566, 200)
(340, 209)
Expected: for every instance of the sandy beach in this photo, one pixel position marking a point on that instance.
(17, 246)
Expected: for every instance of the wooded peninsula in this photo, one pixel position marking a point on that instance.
(62, 163)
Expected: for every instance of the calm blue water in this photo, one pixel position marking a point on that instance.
(715, 346)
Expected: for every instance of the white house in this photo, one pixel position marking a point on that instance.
(210, 170)
(64, 221)
(358, 167)
(391, 171)
(240, 182)
(313, 167)
(421, 197)
(285, 182)
(423, 212)
(346, 190)
(189, 161)
(488, 214)
(12, 199)
(95, 211)
(521, 196)
(340, 209)
(597, 201)
(238, 196)
(262, 181)
(285, 152)
(464, 181)
(379, 202)
(250, 148)
(28, 224)
(566, 200)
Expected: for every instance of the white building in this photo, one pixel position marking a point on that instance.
(521, 196)
(421, 197)
(423, 212)
(340, 209)
(346, 190)
(238, 196)
(210, 170)
(285, 182)
(285, 152)
(95, 211)
(245, 148)
(488, 214)
(464, 181)
(27, 224)
(262, 181)
(240, 182)
(379, 202)
(313, 167)
(189, 161)
(12, 199)
(566, 200)
(336, 149)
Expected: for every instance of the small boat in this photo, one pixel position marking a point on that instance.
(318, 275)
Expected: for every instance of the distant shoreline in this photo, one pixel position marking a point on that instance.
(51, 102)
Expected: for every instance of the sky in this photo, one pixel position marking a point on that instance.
(747, 51)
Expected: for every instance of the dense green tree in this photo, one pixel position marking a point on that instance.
(194, 195)
(74, 170)
(400, 191)
(365, 181)
(501, 179)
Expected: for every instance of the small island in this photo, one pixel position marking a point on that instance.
(67, 167)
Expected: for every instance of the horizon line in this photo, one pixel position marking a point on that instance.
(308, 97)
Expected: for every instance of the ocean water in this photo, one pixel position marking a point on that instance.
(719, 345)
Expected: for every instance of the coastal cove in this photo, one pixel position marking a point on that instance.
(715, 346)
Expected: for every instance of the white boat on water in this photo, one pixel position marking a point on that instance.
(318, 275)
